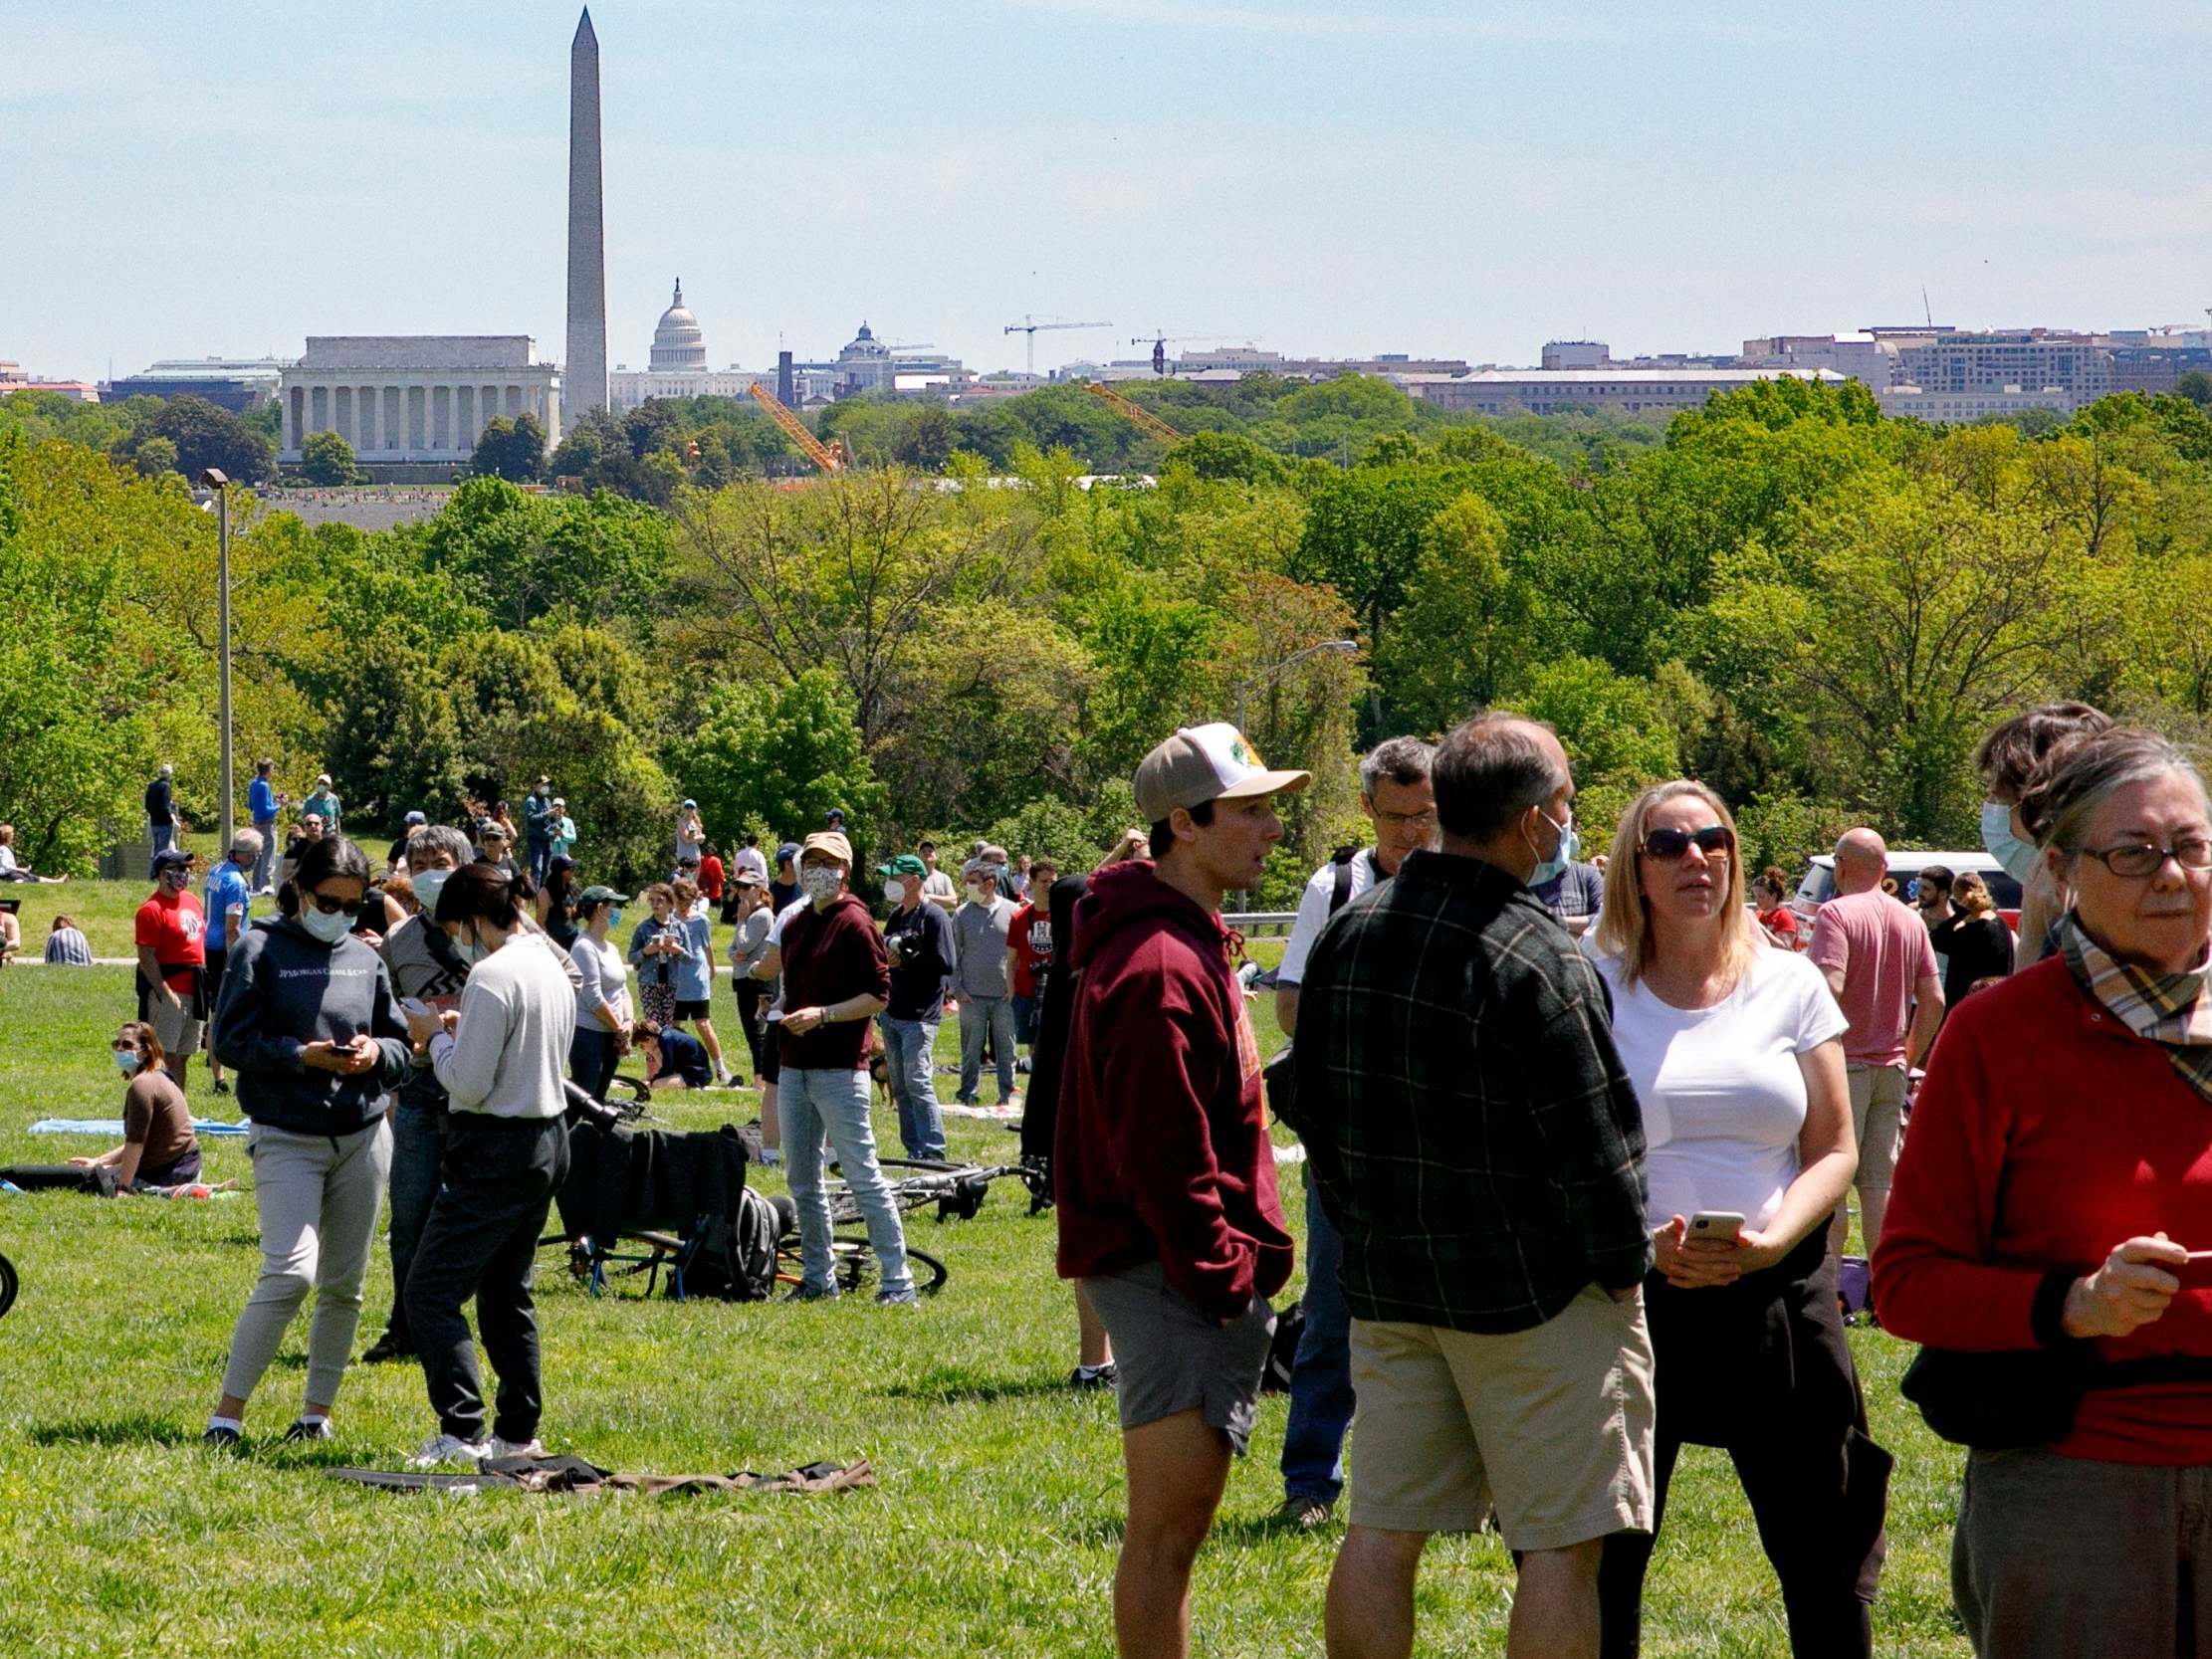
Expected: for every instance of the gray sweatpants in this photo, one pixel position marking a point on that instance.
(2070, 1558)
(318, 1196)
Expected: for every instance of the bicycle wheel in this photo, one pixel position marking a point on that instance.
(8, 1283)
(853, 1266)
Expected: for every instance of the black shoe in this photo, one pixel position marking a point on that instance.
(223, 1440)
(1103, 1377)
(303, 1431)
(809, 1292)
(222, 1086)
(1303, 1513)
(386, 1349)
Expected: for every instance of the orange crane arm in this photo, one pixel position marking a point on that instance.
(822, 456)
(1135, 413)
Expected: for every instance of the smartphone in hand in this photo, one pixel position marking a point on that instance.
(1721, 1225)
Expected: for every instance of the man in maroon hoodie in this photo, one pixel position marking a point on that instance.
(1164, 1177)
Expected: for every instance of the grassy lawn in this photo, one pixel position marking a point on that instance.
(994, 1529)
(104, 909)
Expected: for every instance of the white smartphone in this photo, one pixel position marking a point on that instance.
(1724, 1224)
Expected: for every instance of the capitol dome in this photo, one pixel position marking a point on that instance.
(678, 342)
(864, 346)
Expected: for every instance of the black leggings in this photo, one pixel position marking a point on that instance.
(1762, 1369)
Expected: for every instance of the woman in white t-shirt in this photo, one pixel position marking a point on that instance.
(1735, 1050)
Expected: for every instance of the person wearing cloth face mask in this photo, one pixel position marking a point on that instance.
(159, 1147)
(919, 939)
(227, 898)
(173, 959)
(308, 1025)
(980, 928)
(500, 1059)
(2009, 760)
(425, 967)
(836, 978)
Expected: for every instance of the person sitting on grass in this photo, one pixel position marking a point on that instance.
(159, 1147)
(671, 1059)
(11, 930)
(10, 869)
(67, 945)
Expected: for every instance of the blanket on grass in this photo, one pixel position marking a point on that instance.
(574, 1474)
(111, 1127)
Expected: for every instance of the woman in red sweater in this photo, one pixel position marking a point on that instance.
(2058, 1174)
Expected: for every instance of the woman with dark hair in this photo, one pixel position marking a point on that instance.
(2050, 1195)
(499, 1058)
(1973, 940)
(308, 1025)
(557, 902)
(2008, 760)
(658, 945)
(603, 1000)
(1770, 895)
(159, 1145)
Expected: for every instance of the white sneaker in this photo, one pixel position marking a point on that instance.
(443, 1451)
(533, 1447)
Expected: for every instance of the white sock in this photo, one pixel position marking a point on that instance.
(1088, 1370)
(231, 1423)
(315, 1417)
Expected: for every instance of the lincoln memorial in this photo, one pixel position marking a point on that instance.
(415, 397)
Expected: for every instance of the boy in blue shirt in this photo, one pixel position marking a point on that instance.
(226, 901)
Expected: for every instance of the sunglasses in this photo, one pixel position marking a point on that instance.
(333, 907)
(1668, 845)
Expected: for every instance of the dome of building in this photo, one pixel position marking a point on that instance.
(864, 345)
(678, 342)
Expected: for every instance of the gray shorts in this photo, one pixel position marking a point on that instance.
(1169, 1356)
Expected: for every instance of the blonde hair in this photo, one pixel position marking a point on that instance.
(1971, 895)
(1624, 928)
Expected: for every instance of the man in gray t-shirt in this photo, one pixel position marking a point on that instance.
(979, 977)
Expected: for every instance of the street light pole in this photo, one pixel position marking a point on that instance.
(215, 479)
(1341, 646)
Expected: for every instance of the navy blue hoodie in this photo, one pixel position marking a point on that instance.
(283, 988)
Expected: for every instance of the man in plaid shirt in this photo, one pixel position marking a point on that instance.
(1479, 1147)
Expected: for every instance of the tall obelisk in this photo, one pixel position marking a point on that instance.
(585, 375)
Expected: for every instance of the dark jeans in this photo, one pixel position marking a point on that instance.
(752, 996)
(162, 837)
(541, 856)
(1321, 1397)
(179, 1170)
(1761, 1369)
(501, 1174)
(417, 1148)
(591, 1060)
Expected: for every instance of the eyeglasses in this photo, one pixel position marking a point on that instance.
(2140, 859)
(333, 907)
(1422, 821)
(1668, 845)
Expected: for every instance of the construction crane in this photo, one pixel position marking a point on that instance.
(1030, 326)
(1142, 419)
(830, 457)
(1159, 341)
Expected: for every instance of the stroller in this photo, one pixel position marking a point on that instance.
(656, 1200)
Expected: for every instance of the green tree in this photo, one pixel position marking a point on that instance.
(326, 458)
(206, 436)
(510, 449)
(2196, 386)
(782, 756)
(1468, 629)
(927, 441)
(153, 456)
(524, 556)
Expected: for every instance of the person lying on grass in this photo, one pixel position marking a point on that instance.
(159, 1147)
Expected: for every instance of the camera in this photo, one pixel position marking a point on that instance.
(905, 948)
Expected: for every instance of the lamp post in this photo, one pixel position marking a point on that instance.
(215, 478)
(1338, 647)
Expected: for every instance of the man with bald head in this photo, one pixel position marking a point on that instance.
(1878, 961)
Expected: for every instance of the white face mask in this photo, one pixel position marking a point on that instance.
(428, 886)
(895, 890)
(467, 949)
(328, 925)
(822, 884)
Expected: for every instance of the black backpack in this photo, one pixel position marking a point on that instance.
(1282, 1349)
(1280, 1075)
(733, 1254)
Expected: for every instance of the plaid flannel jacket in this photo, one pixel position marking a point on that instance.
(1469, 1124)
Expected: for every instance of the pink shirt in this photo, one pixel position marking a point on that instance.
(1883, 951)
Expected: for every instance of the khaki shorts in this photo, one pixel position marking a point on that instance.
(1878, 1119)
(1551, 1427)
(174, 1025)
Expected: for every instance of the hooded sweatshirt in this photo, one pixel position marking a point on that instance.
(1161, 1152)
(285, 988)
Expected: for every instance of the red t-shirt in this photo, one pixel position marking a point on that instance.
(170, 925)
(710, 877)
(1031, 933)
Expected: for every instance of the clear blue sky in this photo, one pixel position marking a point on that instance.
(1436, 176)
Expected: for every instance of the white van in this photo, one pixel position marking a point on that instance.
(1819, 885)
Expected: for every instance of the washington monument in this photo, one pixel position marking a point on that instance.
(584, 374)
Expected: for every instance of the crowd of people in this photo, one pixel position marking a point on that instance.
(1582, 1140)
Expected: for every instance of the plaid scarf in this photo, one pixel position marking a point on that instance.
(2169, 1009)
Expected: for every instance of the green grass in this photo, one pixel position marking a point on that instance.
(994, 1529)
(104, 909)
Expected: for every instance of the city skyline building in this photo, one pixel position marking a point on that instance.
(584, 368)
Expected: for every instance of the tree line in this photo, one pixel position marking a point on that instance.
(1813, 607)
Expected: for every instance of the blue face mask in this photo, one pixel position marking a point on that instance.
(1570, 843)
(2017, 856)
(615, 917)
(127, 1061)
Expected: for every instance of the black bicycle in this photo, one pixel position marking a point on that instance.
(8, 1285)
